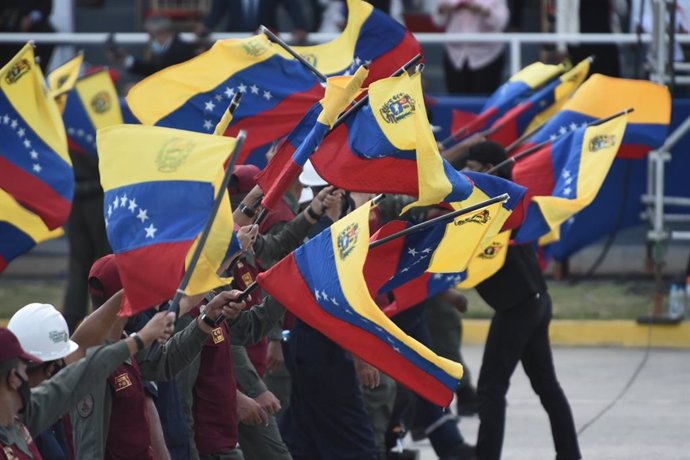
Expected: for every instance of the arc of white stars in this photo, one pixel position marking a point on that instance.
(142, 215)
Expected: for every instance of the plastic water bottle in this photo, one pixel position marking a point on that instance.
(676, 301)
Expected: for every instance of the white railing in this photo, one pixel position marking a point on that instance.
(515, 41)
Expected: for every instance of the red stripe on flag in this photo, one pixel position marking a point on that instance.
(34, 194)
(299, 299)
(269, 126)
(150, 275)
(382, 261)
(288, 175)
(386, 64)
(3, 264)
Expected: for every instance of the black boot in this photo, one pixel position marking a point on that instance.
(467, 403)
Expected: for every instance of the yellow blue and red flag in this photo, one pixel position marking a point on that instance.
(371, 38)
(194, 95)
(277, 177)
(20, 230)
(92, 104)
(322, 283)
(534, 111)
(160, 185)
(62, 79)
(387, 147)
(601, 96)
(35, 167)
(565, 177)
(488, 259)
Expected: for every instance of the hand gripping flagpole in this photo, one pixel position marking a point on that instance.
(541, 145)
(217, 203)
(415, 228)
(279, 41)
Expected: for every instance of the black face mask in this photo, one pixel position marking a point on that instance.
(24, 391)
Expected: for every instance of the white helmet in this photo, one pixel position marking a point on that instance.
(42, 331)
(310, 177)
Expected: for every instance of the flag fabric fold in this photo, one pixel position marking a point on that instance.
(35, 167)
(387, 147)
(194, 95)
(565, 177)
(371, 38)
(92, 104)
(62, 79)
(488, 259)
(160, 185)
(534, 111)
(20, 230)
(322, 283)
(277, 177)
(601, 96)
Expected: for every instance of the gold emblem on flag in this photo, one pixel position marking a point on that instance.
(347, 240)
(397, 108)
(601, 142)
(310, 58)
(17, 71)
(480, 218)
(173, 153)
(122, 381)
(101, 102)
(491, 250)
(254, 47)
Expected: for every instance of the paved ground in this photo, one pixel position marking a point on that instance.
(650, 421)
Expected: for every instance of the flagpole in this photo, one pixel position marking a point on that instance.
(541, 145)
(415, 228)
(470, 127)
(279, 41)
(217, 203)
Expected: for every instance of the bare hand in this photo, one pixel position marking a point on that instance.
(159, 328)
(223, 304)
(247, 236)
(367, 374)
(274, 356)
(268, 402)
(249, 411)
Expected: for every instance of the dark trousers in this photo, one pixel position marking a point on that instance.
(87, 242)
(326, 419)
(479, 81)
(522, 334)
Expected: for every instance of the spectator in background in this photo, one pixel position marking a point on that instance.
(248, 15)
(26, 16)
(165, 46)
(472, 68)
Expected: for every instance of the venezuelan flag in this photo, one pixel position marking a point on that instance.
(92, 104)
(34, 164)
(387, 147)
(160, 184)
(601, 96)
(322, 284)
(194, 95)
(293, 153)
(539, 107)
(370, 38)
(62, 79)
(565, 177)
(20, 230)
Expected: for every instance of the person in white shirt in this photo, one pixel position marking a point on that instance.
(472, 68)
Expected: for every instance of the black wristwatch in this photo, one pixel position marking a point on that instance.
(209, 322)
(247, 211)
(138, 341)
(312, 214)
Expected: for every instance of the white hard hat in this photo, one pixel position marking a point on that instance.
(310, 177)
(42, 331)
(306, 195)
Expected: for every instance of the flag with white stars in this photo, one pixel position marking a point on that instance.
(160, 185)
(276, 92)
(539, 107)
(92, 104)
(601, 96)
(20, 230)
(35, 168)
(565, 177)
(371, 38)
(323, 284)
(387, 147)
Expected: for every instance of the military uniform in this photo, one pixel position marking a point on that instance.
(94, 423)
(54, 397)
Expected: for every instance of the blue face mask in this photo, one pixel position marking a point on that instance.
(157, 48)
